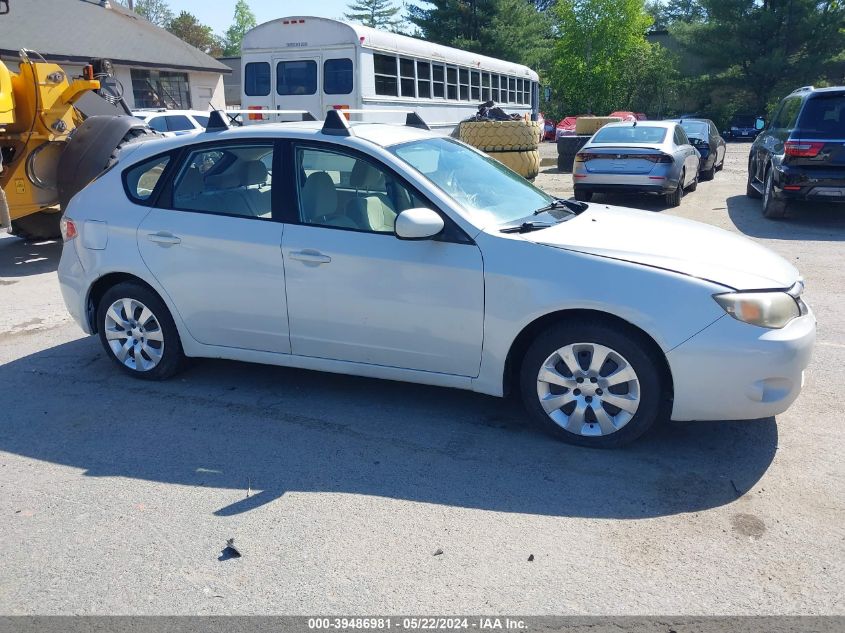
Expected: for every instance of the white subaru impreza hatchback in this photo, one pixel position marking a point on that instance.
(388, 251)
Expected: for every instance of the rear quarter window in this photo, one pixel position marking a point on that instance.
(140, 181)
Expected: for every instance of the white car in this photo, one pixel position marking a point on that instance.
(391, 252)
(174, 122)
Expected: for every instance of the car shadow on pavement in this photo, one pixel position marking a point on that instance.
(20, 258)
(806, 221)
(229, 427)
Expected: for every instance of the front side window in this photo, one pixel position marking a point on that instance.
(257, 79)
(490, 192)
(202, 121)
(158, 123)
(230, 180)
(296, 77)
(341, 191)
(337, 76)
(385, 74)
(179, 123)
(142, 179)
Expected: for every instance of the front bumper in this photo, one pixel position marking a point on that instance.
(736, 371)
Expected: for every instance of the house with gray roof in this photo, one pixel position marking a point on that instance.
(153, 68)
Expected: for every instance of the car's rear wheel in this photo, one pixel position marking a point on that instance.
(708, 174)
(592, 384)
(138, 332)
(773, 208)
(674, 199)
(583, 196)
(694, 185)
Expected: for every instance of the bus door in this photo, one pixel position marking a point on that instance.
(298, 85)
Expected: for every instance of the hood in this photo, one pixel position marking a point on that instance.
(672, 243)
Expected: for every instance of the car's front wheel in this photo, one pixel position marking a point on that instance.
(138, 332)
(593, 384)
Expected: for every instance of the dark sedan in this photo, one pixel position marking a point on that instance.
(705, 137)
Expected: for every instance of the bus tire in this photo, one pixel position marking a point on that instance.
(501, 136)
(525, 163)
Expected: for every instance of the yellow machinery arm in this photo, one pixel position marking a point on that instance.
(36, 117)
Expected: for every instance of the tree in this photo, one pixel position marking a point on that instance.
(667, 13)
(378, 14)
(188, 28)
(243, 21)
(762, 49)
(599, 52)
(155, 11)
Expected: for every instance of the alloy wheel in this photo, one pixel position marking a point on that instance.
(134, 334)
(588, 389)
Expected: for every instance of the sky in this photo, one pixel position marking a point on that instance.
(218, 13)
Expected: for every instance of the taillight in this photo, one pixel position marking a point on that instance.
(68, 228)
(661, 158)
(582, 158)
(803, 149)
(256, 117)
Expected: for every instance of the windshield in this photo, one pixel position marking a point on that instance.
(742, 120)
(488, 190)
(630, 134)
(695, 127)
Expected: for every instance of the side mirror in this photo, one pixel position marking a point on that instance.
(418, 224)
(759, 123)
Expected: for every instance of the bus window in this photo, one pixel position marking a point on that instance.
(257, 79)
(526, 92)
(452, 83)
(407, 79)
(495, 94)
(519, 91)
(385, 70)
(485, 87)
(337, 76)
(296, 78)
(511, 89)
(423, 80)
(463, 74)
(439, 75)
(475, 89)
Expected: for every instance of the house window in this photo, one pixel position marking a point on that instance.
(386, 76)
(160, 89)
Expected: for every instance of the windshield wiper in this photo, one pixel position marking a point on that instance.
(573, 206)
(526, 227)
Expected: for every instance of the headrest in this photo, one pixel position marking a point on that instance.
(253, 172)
(365, 176)
(319, 196)
(192, 183)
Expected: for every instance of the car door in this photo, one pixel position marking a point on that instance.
(691, 156)
(358, 293)
(211, 240)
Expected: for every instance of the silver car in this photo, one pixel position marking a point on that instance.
(637, 157)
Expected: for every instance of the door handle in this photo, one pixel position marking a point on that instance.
(164, 238)
(311, 257)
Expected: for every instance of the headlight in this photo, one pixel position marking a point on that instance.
(766, 309)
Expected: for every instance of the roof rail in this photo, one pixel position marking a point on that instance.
(803, 89)
(216, 120)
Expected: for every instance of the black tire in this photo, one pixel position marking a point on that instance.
(694, 185)
(721, 165)
(565, 162)
(773, 208)
(674, 199)
(708, 174)
(631, 346)
(43, 225)
(583, 196)
(172, 357)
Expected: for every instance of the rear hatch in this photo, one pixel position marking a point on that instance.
(640, 159)
(818, 142)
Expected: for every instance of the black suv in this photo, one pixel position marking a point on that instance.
(800, 155)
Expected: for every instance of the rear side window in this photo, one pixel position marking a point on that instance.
(337, 76)
(141, 180)
(296, 78)
(158, 123)
(179, 123)
(257, 79)
(202, 121)
(787, 115)
(823, 117)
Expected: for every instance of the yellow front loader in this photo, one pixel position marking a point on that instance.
(51, 145)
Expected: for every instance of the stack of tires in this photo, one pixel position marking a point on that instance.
(567, 147)
(512, 143)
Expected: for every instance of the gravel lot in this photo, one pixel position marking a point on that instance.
(117, 496)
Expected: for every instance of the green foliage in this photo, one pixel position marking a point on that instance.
(155, 11)
(243, 21)
(665, 13)
(513, 30)
(377, 14)
(602, 56)
(759, 51)
(188, 28)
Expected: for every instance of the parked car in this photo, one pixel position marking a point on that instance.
(549, 130)
(392, 252)
(654, 157)
(711, 147)
(800, 155)
(742, 127)
(173, 122)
